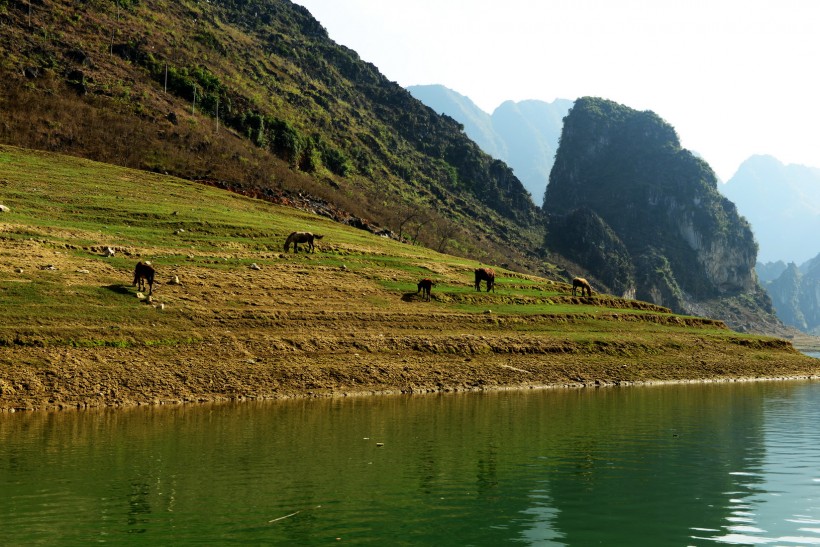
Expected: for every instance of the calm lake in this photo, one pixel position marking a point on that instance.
(729, 463)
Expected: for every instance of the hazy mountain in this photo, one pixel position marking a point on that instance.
(478, 125)
(782, 203)
(769, 271)
(795, 294)
(531, 131)
(522, 134)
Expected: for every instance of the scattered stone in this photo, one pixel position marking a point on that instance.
(109, 251)
(83, 271)
(180, 231)
(48, 267)
(140, 296)
(4, 209)
(18, 270)
(343, 267)
(160, 306)
(255, 266)
(174, 281)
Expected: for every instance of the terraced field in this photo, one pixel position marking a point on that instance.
(233, 316)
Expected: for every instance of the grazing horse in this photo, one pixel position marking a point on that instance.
(426, 285)
(583, 284)
(485, 274)
(301, 237)
(143, 273)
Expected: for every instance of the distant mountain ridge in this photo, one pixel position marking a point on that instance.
(795, 292)
(522, 134)
(782, 203)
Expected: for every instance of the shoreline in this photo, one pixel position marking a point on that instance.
(50, 379)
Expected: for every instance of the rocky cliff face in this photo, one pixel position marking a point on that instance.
(681, 244)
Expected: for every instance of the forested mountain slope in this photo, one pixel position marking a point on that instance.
(253, 96)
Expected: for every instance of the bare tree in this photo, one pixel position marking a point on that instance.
(445, 231)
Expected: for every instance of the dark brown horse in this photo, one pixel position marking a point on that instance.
(583, 284)
(301, 237)
(144, 273)
(425, 286)
(485, 274)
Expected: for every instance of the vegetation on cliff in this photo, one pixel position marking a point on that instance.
(651, 200)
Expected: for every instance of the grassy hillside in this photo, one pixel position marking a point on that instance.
(256, 97)
(249, 320)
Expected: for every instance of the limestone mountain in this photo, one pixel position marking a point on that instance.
(782, 203)
(254, 96)
(644, 217)
(795, 292)
(522, 134)
(769, 271)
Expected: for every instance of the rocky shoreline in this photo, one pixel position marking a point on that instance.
(233, 370)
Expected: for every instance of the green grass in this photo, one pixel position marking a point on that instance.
(78, 207)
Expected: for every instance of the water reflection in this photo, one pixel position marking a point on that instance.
(776, 500)
(664, 465)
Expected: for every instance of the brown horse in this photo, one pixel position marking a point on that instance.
(143, 273)
(583, 284)
(301, 237)
(485, 274)
(426, 286)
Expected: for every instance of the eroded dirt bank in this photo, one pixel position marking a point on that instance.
(233, 369)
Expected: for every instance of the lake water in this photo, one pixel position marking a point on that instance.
(729, 463)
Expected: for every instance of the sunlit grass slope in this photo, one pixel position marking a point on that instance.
(58, 286)
(234, 316)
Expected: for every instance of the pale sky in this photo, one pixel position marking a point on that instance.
(734, 77)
